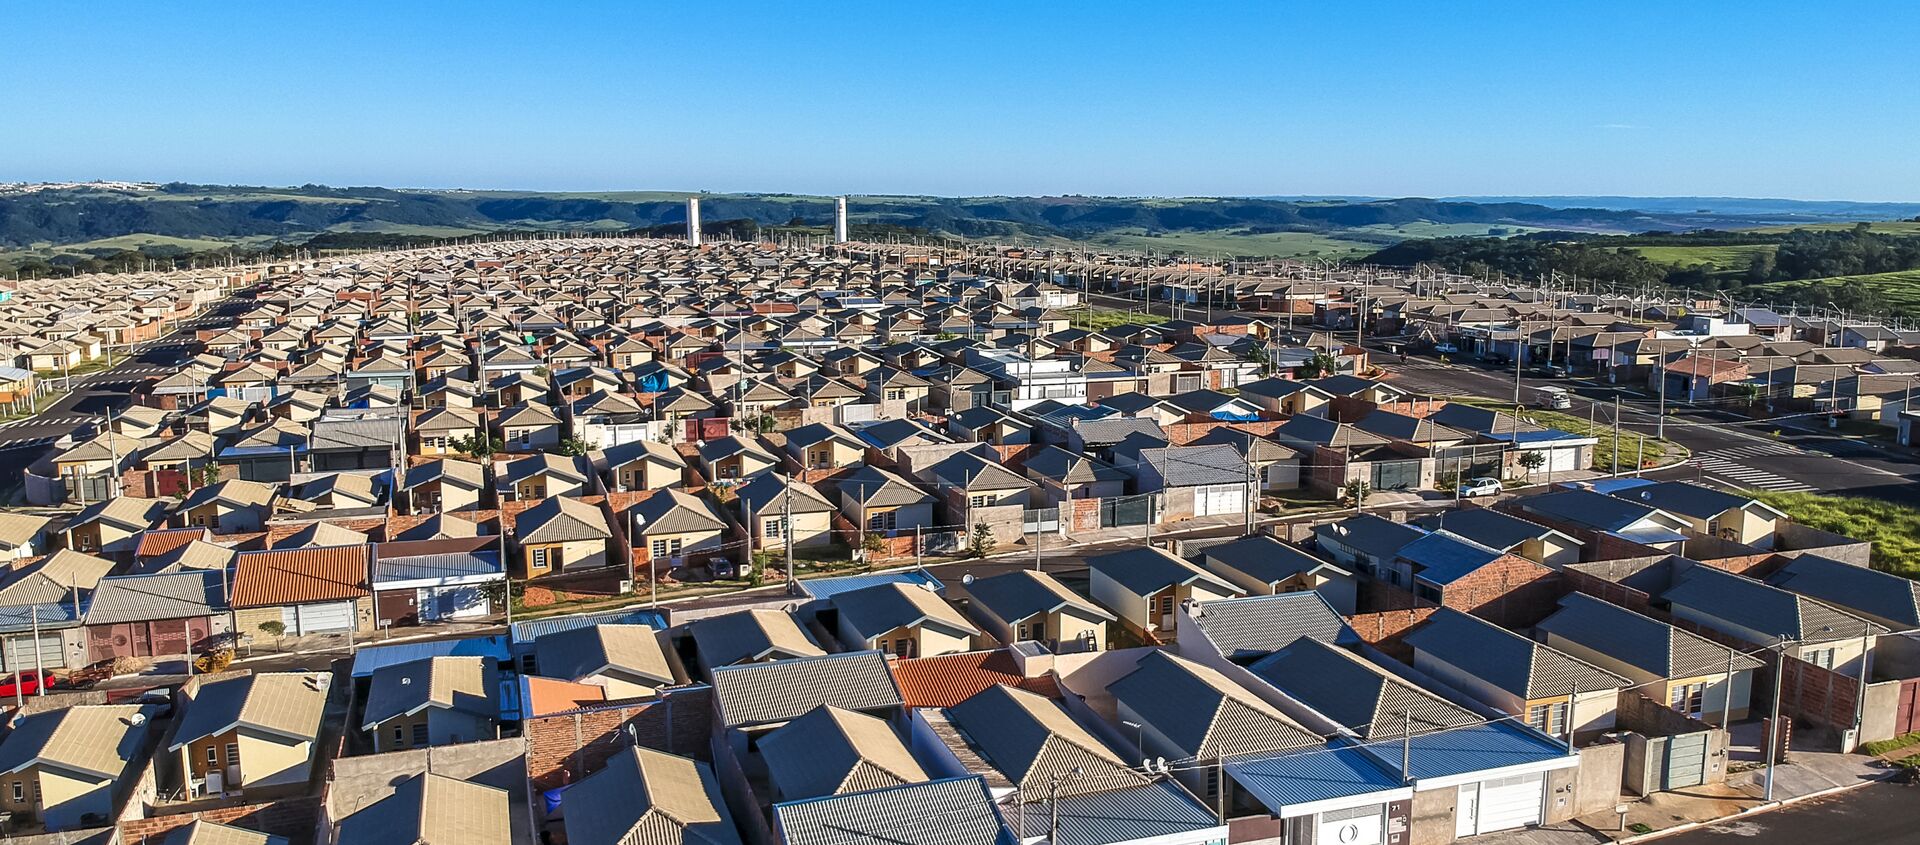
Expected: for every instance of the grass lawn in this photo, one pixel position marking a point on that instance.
(1239, 242)
(1101, 319)
(1883, 227)
(1893, 529)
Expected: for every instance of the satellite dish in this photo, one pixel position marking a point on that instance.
(967, 579)
(1161, 764)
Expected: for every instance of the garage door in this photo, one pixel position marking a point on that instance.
(1218, 499)
(18, 654)
(1686, 763)
(452, 603)
(1562, 460)
(323, 618)
(1501, 804)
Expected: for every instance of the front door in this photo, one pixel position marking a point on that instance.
(1467, 818)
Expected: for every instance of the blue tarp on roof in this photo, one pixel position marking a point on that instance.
(1547, 435)
(373, 658)
(1231, 417)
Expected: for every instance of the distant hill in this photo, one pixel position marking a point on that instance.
(75, 224)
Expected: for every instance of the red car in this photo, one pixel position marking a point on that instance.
(26, 683)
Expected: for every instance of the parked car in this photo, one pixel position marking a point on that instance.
(1553, 398)
(1445, 349)
(1550, 371)
(1480, 487)
(27, 683)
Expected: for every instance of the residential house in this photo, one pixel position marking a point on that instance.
(444, 484)
(1750, 611)
(902, 620)
(1554, 692)
(71, 768)
(835, 751)
(439, 570)
(1262, 565)
(625, 661)
(884, 502)
(250, 731)
(733, 458)
(230, 507)
(1025, 605)
(1885, 598)
(778, 510)
(156, 615)
(537, 477)
(818, 446)
(1190, 711)
(1695, 676)
(1506, 533)
(647, 795)
(751, 636)
(439, 700)
(643, 465)
(559, 534)
(421, 810)
(1143, 586)
(1711, 512)
(673, 528)
(305, 591)
(530, 427)
(950, 811)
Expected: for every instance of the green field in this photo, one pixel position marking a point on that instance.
(1893, 529)
(1722, 258)
(1900, 291)
(1236, 242)
(1884, 227)
(1445, 230)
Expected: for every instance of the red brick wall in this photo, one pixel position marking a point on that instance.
(1608, 591)
(1385, 629)
(1180, 434)
(1512, 592)
(293, 818)
(1817, 695)
(564, 747)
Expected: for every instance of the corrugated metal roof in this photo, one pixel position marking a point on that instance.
(453, 565)
(533, 629)
(1340, 770)
(370, 658)
(759, 693)
(648, 797)
(827, 588)
(1476, 749)
(750, 635)
(1121, 815)
(1257, 625)
(172, 595)
(956, 811)
(434, 809)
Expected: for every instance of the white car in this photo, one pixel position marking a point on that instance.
(1480, 487)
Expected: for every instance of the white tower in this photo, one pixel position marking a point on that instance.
(693, 220)
(840, 220)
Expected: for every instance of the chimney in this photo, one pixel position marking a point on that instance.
(840, 220)
(693, 221)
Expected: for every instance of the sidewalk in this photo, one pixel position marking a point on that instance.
(1810, 773)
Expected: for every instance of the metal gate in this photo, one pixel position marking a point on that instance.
(1129, 510)
(1040, 520)
(1906, 714)
(1685, 762)
(1396, 475)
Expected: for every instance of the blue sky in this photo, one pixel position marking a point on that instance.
(1740, 99)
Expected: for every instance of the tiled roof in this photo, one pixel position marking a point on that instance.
(296, 576)
(949, 679)
(1146, 570)
(832, 751)
(1354, 692)
(1202, 712)
(875, 610)
(99, 740)
(143, 598)
(1505, 659)
(467, 684)
(648, 797)
(1640, 641)
(1250, 627)
(751, 635)
(633, 650)
(1029, 740)
(1149, 811)
(431, 809)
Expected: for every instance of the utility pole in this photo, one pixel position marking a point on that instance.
(786, 525)
(1773, 723)
(1616, 435)
(1246, 499)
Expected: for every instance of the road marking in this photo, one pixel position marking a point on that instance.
(1718, 465)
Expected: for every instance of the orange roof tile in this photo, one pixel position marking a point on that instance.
(294, 576)
(154, 543)
(546, 696)
(949, 679)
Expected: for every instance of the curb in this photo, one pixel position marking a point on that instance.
(1758, 809)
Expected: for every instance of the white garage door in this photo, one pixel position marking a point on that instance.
(19, 653)
(1501, 804)
(1562, 460)
(1218, 499)
(452, 603)
(322, 618)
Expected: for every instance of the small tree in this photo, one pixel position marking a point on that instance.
(1358, 490)
(669, 432)
(478, 446)
(981, 543)
(873, 542)
(1321, 364)
(573, 446)
(276, 629)
(1531, 461)
(765, 423)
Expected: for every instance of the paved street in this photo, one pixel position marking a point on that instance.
(1882, 814)
(1728, 448)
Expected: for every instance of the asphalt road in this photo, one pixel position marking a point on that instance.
(1882, 814)
(22, 442)
(1728, 448)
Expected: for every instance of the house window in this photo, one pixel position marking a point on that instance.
(665, 548)
(1822, 657)
(19, 791)
(1029, 631)
(775, 528)
(420, 733)
(525, 436)
(399, 737)
(1688, 698)
(1549, 719)
(903, 647)
(895, 395)
(540, 558)
(213, 757)
(883, 521)
(233, 754)
(982, 500)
